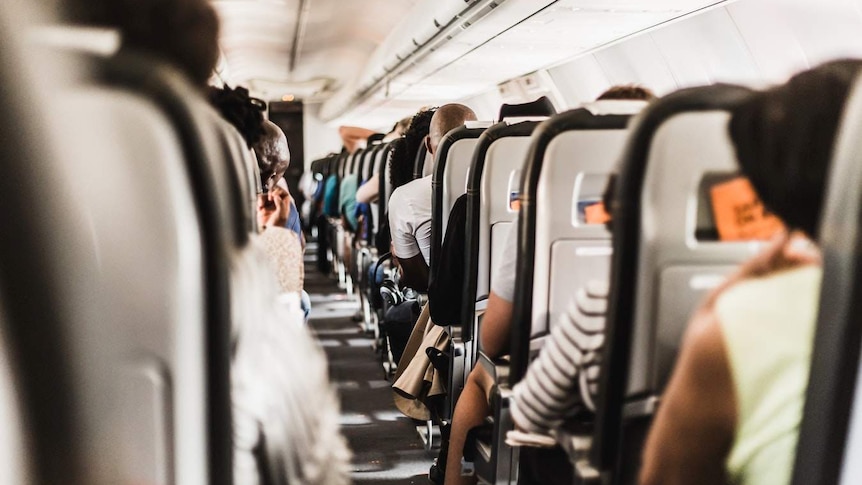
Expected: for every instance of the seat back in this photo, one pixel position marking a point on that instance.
(540, 107)
(375, 167)
(160, 355)
(368, 162)
(422, 161)
(561, 253)
(138, 302)
(830, 436)
(356, 161)
(494, 174)
(344, 165)
(663, 264)
(453, 159)
(247, 173)
(386, 188)
(39, 401)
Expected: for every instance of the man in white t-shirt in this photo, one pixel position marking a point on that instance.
(410, 205)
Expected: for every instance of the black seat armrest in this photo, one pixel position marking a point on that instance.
(498, 369)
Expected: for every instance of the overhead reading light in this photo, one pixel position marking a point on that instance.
(288, 98)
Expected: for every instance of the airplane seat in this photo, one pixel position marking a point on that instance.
(114, 246)
(568, 165)
(454, 156)
(424, 164)
(245, 165)
(540, 107)
(39, 401)
(829, 435)
(336, 230)
(386, 190)
(349, 248)
(428, 165)
(364, 253)
(367, 252)
(214, 189)
(375, 168)
(228, 291)
(13, 465)
(564, 252)
(493, 178)
(375, 238)
(666, 258)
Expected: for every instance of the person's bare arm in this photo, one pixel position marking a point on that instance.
(368, 192)
(414, 272)
(496, 325)
(352, 136)
(694, 430)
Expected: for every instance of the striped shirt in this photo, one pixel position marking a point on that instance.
(563, 379)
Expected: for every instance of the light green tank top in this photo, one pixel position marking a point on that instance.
(768, 325)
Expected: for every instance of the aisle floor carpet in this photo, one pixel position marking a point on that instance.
(386, 447)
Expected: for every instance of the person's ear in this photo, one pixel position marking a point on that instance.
(428, 144)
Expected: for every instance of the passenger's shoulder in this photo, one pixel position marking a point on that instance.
(414, 190)
(802, 282)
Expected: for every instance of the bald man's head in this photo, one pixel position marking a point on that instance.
(447, 118)
(273, 154)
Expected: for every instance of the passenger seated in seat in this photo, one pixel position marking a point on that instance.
(472, 406)
(410, 205)
(404, 149)
(401, 169)
(369, 191)
(732, 409)
(274, 208)
(246, 115)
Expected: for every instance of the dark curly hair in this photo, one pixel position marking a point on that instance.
(626, 92)
(784, 139)
(405, 148)
(241, 110)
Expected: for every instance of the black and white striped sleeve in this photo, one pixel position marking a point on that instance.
(562, 379)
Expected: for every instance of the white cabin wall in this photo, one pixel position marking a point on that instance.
(580, 81)
(705, 49)
(486, 105)
(319, 138)
(752, 42)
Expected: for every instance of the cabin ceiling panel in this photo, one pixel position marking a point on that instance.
(336, 39)
(536, 36)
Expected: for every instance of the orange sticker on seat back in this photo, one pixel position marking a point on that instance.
(739, 213)
(596, 214)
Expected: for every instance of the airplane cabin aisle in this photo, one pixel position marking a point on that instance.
(385, 445)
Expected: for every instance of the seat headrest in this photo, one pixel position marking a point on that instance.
(540, 107)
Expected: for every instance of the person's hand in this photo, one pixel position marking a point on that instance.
(273, 208)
